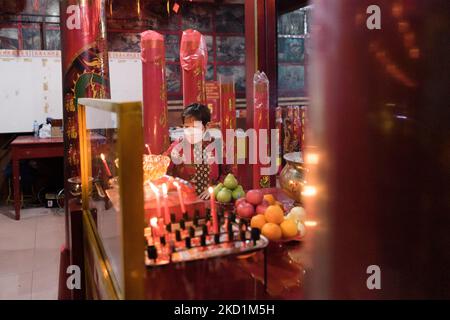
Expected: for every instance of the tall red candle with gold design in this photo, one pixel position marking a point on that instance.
(156, 132)
(299, 125)
(228, 112)
(85, 70)
(193, 59)
(260, 121)
(213, 99)
(279, 128)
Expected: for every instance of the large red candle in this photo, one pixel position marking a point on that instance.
(228, 115)
(193, 59)
(213, 100)
(180, 197)
(156, 132)
(157, 198)
(260, 122)
(228, 103)
(213, 210)
(105, 164)
(166, 204)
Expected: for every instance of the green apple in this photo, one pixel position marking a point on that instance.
(238, 193)
(224, 195)
(230, 182)
(217, 188)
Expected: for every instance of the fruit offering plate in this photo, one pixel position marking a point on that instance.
(225, 206)
(297, 238)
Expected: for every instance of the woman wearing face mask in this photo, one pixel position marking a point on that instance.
(191, 159)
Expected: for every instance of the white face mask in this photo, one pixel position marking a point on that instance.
(193, 135)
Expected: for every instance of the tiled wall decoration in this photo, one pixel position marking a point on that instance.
(36, 27)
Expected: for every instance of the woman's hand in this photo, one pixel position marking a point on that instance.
(204, 195)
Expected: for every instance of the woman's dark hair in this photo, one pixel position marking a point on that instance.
(198, 111)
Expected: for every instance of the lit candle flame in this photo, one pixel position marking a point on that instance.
(154, 222)
(309, 191)
(312, 158)
(154, 188)
(310, 223)
(102, 156)
(211, 190)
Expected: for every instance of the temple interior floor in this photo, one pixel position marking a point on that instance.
(29, 253)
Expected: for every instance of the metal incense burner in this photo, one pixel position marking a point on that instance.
(292, 177)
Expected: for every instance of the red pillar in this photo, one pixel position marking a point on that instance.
(85, 73)
(379, 117)
(85, 70)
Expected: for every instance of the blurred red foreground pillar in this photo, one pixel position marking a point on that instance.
(380, 119)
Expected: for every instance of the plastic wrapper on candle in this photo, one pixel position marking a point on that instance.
(193, 60)
(260, 121)
(154, 90)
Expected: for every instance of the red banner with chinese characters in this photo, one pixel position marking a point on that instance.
(156, 131)
(85, 70)
(260, 121)
(193, 60)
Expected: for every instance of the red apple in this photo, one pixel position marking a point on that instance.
(245, 210)
(261, 208)
(254, 197)
(239, 201)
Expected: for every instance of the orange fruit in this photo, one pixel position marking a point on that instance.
(272, 231)
(270, 198)
(258, 221)
(274, 214)
(278, 203)
(288, 228)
